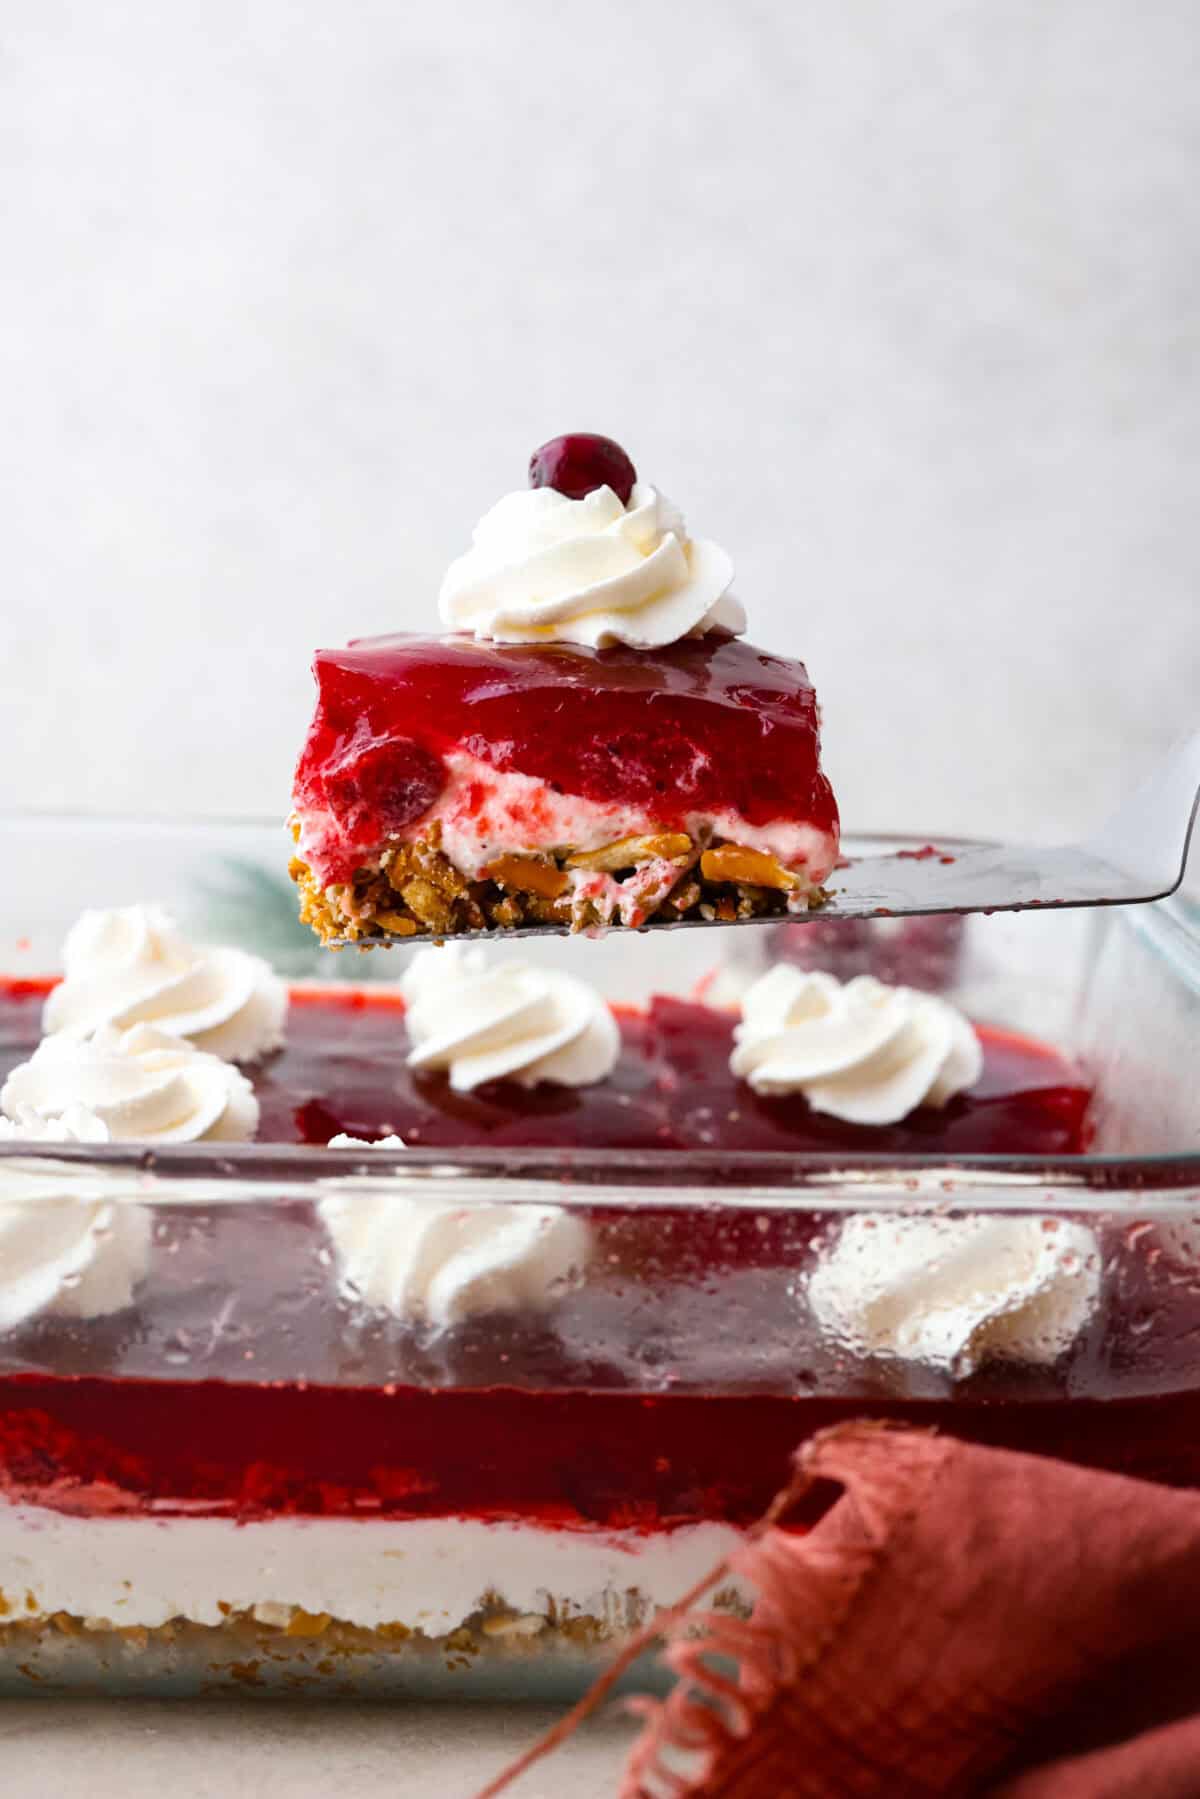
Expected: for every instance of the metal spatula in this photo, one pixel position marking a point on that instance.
(1139, 855)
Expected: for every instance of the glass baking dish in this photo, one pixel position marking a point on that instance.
(244, 1473)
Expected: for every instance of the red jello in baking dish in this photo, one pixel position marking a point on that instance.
(343, 1069)
(290, 1459)
(280, 1458)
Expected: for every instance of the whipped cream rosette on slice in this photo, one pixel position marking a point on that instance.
(591, 571)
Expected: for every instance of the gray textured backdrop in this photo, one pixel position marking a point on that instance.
(899, 302)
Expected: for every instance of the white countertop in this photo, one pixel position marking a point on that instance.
(237, 1749)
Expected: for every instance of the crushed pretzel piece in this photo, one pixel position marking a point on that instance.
(627, 852)
(734, 862)
(528, 874)
(397, 924)
(308, 1624)
(429, 902)
(685, 896)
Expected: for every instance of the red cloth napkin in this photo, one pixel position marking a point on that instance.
(960, 1621)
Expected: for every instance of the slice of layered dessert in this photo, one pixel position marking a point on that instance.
(590, 743)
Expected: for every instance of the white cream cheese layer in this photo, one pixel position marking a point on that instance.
(546, 569)
(428, 1574)
(482, 812)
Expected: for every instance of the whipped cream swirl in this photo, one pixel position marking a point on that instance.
(64, 1250)
(863, 1052)
(546, 569)
(437, 1264)
(78, 1124)
(132, 965)
(67, 1248)
(505, 1022)
(143, 1085)
(956, 1292)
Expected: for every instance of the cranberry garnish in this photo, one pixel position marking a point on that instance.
(580, 462)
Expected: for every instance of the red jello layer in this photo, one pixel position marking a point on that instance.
(565, 1459)
(708, 725)
(533, 1418)
(343, 1069)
